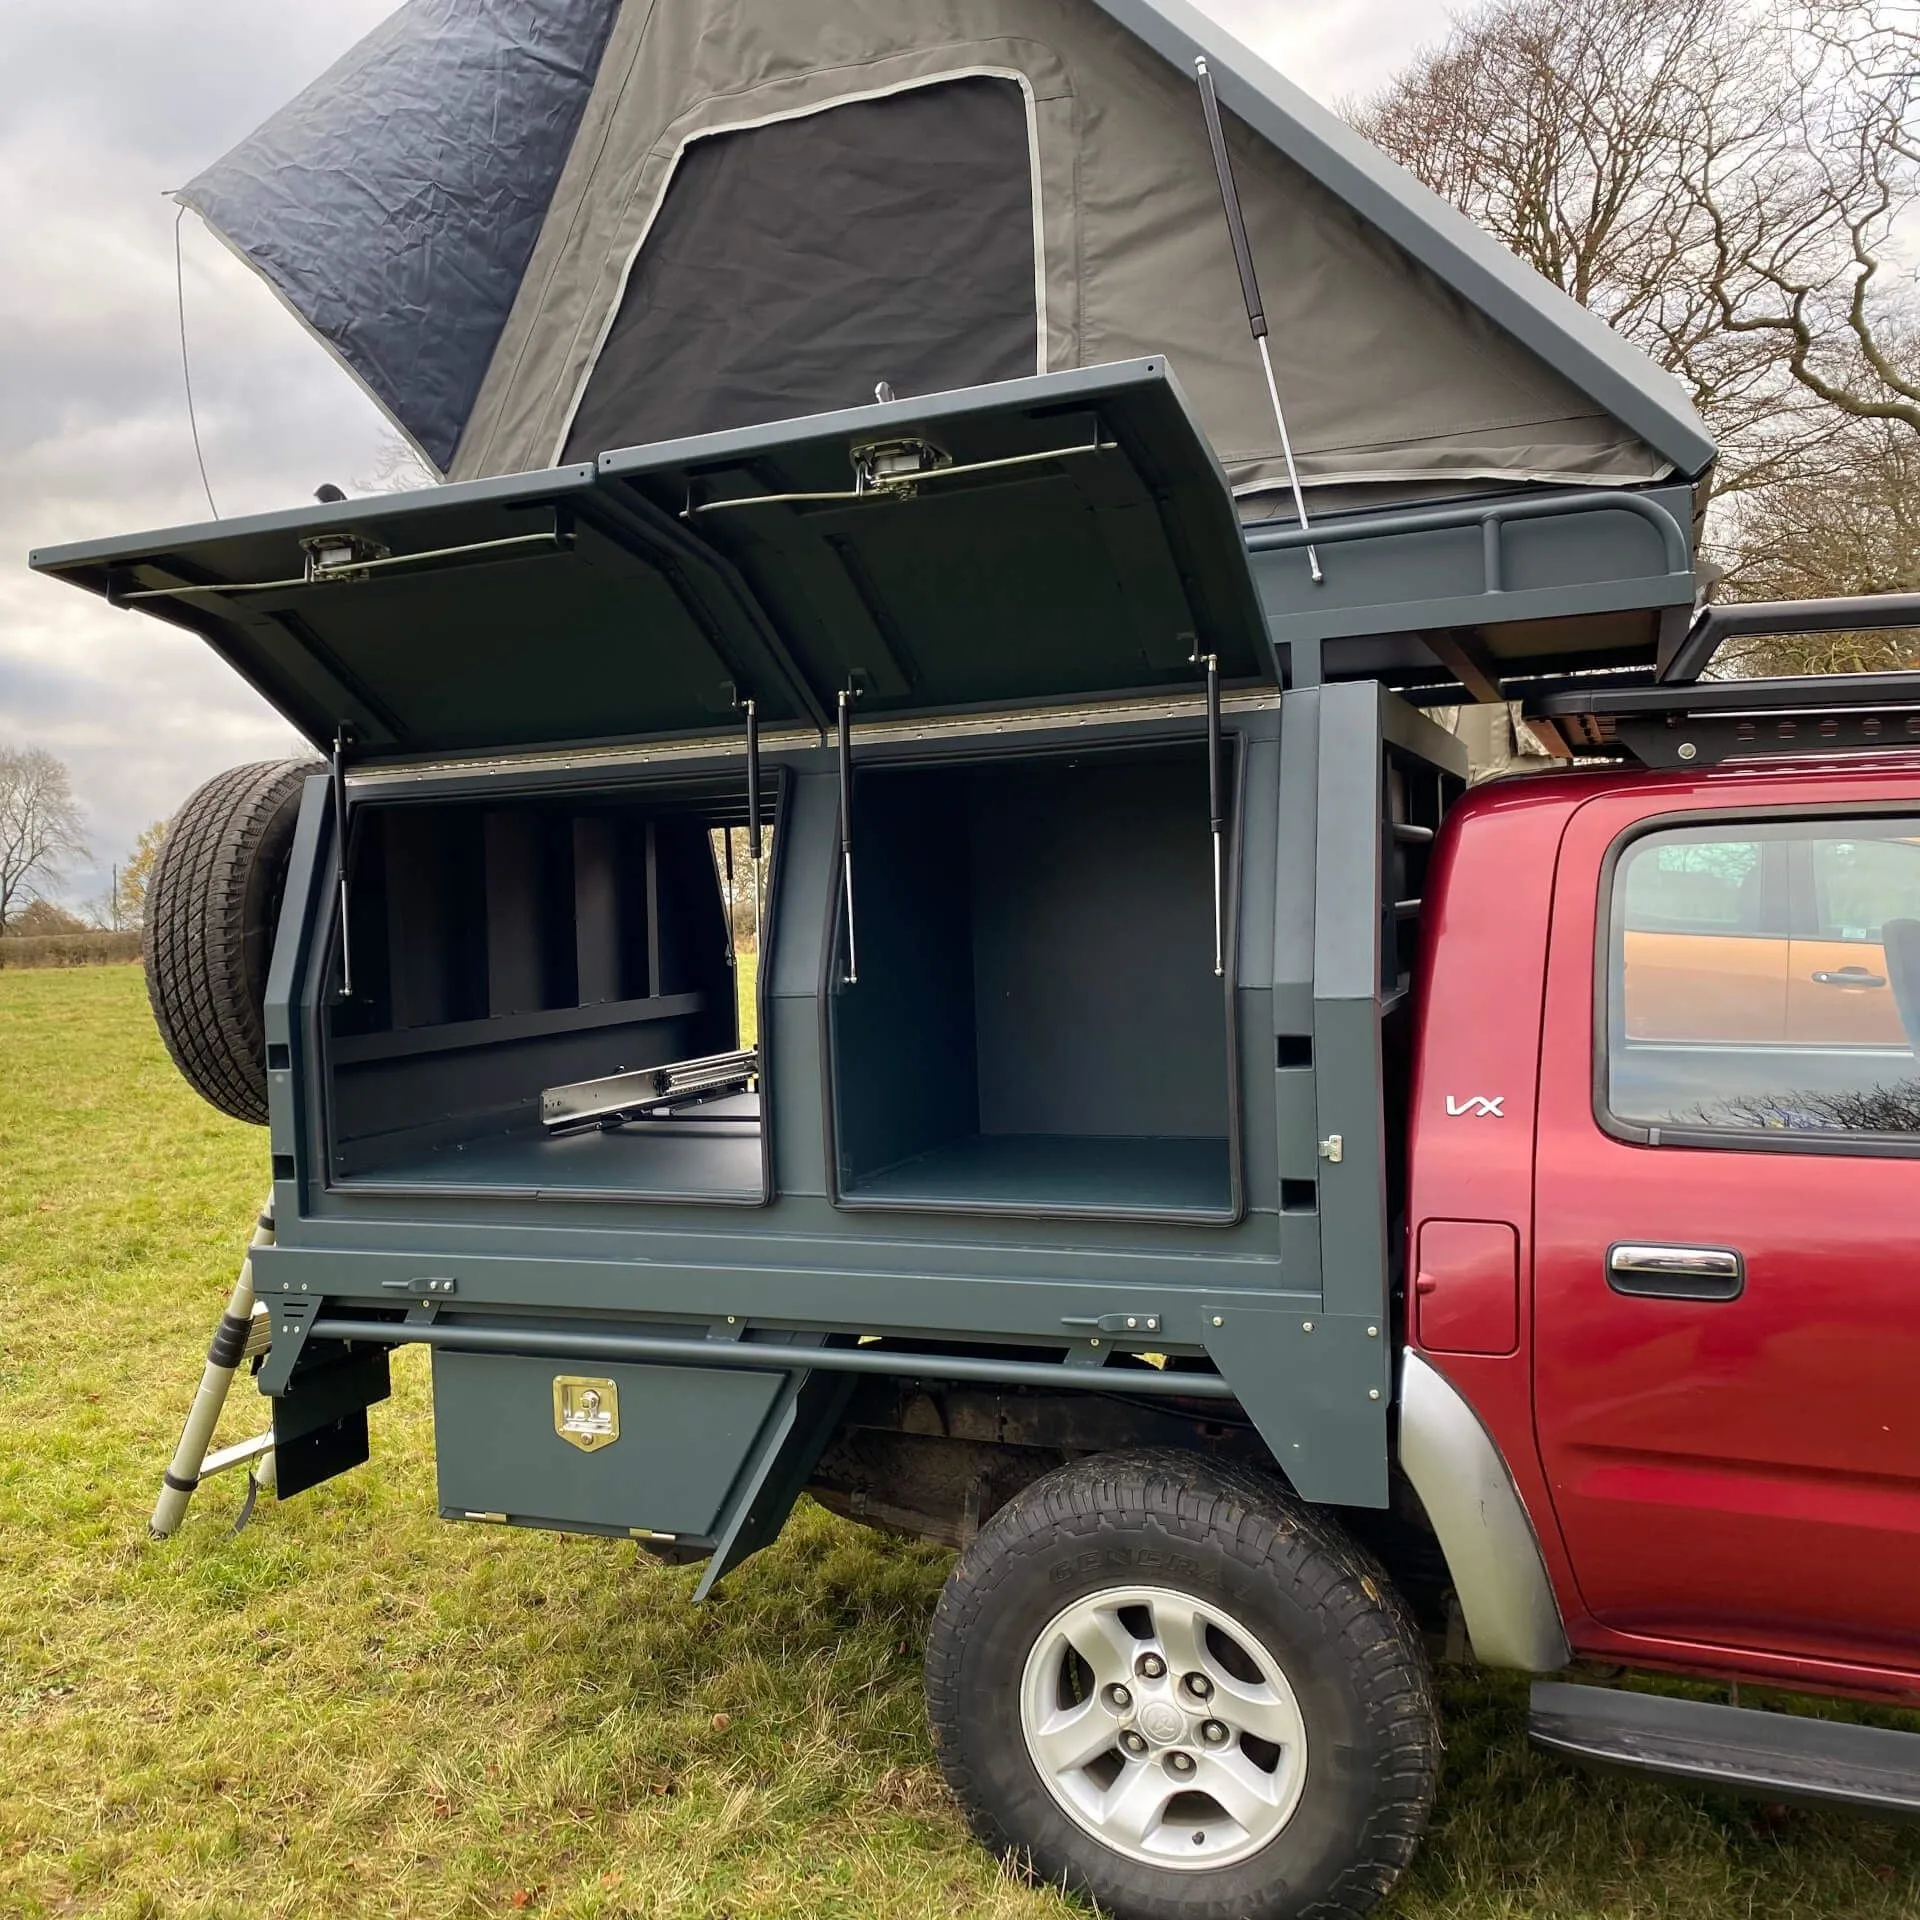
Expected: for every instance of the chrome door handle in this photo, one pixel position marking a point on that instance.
(1850, 977)
(1675, 1273)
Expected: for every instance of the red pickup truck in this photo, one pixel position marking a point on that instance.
(1662, 1203)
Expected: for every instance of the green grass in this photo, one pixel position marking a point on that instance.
(352, 1708)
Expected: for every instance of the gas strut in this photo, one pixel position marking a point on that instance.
(1217, 809)
(846, 825)
(726, 836)
(753, 814)
(339, 771)
(1250, 290)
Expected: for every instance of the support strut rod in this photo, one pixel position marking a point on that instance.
(339, 772)
(1250, 293)
(726, 842)
(1217, 811)
(846, 826)
(753, 813)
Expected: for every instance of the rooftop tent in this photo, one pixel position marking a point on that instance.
(395, 203)
(541, 230)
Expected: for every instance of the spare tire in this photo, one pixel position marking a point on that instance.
(212, 904)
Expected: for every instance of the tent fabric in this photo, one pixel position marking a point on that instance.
(795, 264)
(1388, 376)
(395, 203)
(397, 218)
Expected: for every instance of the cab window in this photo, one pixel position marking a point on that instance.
(1859, 885)
(1765, 981)
(1681, 884)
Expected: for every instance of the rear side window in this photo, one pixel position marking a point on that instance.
(1764, 981)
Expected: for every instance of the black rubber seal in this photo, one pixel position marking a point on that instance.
(177, 1484)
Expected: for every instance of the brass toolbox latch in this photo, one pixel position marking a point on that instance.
(586, 1411)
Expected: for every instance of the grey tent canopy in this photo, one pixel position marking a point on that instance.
(536, 230)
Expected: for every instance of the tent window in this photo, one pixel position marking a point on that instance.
(792, 266)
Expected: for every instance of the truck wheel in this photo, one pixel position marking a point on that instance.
(211, 907)
(1162, 1681)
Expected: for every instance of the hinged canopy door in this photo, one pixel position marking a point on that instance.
(1068, 537)
(537, 610)
(1053, 539)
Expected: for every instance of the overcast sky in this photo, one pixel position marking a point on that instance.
(104, 106)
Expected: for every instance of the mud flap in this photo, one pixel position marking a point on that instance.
(796, 1434)
(320, 1418)
(1317, 1389)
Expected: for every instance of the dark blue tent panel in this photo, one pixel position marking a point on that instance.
(794, 265)
(410, 180)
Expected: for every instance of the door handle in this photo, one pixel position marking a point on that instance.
(1675, 1273)
(1850, 977)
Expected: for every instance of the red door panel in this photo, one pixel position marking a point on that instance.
(1740, 1471)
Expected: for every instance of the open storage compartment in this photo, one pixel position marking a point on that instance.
(1036, 1025)
(523, 968)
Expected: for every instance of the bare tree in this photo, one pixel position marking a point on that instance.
(1803, 220)
(1719, 179)
(1855, 529)
(40, 917)
(40, 825)
(396, 468)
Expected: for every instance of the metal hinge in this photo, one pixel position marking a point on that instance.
(1333, 1148)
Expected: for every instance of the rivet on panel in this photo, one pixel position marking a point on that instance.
(1373, 1393)
(1306, 1326)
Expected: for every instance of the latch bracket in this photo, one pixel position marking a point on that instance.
(1134, 1322)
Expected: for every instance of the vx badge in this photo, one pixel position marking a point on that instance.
(1479, 1103)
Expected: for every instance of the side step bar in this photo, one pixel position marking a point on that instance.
(1744, 1750)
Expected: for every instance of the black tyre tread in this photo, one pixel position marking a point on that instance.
(1257, 1519)
(210, 906)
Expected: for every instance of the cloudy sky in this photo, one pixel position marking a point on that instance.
(104, 106)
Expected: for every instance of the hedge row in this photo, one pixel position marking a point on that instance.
(68, 949)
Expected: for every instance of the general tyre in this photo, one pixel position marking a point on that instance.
(1165, 1682)
(212, 903)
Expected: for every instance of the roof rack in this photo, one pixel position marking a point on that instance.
(1700, 726)
(1682, 721)
(1843, 613)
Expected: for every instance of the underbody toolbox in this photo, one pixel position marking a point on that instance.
(597, 1448)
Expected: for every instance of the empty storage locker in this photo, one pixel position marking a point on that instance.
(1035, 1022)
(509, 956)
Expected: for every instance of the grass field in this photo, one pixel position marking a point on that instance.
(352, 1708)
